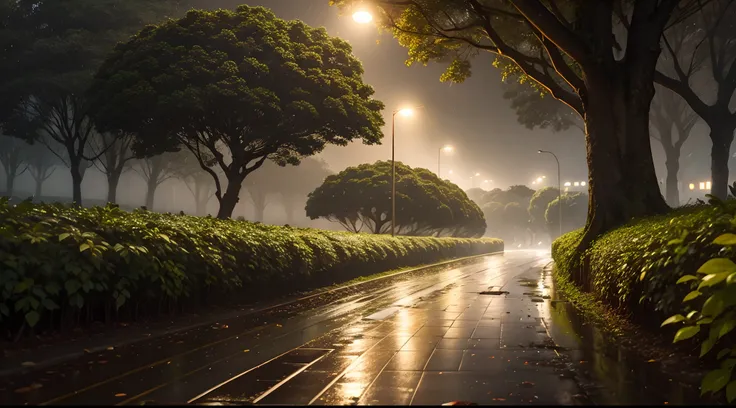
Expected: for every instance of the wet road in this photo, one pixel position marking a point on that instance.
(478, 332)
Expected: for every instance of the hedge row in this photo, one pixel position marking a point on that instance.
(676, 269)
(61, 266)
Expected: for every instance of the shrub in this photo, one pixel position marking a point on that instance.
(60, 265)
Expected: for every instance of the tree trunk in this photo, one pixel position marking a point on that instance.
(9, 183)
(231, 197)
(151, 192)
(259, 209)
(77, 175)
(719, 155)
(113, 179)
(622, 181)
(39, 187)
(673, 167)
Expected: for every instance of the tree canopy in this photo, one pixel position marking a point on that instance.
(359, 198)
(574, 211)
(538, 207)
(243, 86)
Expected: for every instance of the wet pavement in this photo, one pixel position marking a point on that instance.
(478, 332)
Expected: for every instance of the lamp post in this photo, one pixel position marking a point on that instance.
(403, 112)
(446, 149)
(559, 187)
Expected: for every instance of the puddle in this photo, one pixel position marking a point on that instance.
(494, 292)
(609, 373)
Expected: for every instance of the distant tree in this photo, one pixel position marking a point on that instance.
(198, 181)
(290, 184)
(516, 220)
(700, 66)
(495, 219)
(13, 157)
(476, 194)
(42, 163)
(491, 195)
(574, 212)
(538, 207)
(670, 111)
(115, 151)
(51, 52)
(359, 198)
(242, 86)
(155, 170)
(536, 108)
(514, 194)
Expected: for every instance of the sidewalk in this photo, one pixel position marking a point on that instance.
(452, 345)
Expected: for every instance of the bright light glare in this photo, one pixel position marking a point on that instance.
(707, 185)
(450, 171)
(477, 174)
(582, 183)
(568, 184)
(692, 186)
(448, 149)
(539, 179)
(486, 181)
(702, 185)
(577, 184)
(406, 112)
(362, 17)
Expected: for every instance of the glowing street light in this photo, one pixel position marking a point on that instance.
(362, 17)
(446, 149)
(406, 112)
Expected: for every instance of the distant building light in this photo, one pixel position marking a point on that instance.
(577, 184)
(702, 185)
(707, 185)
(582, 183)
(692, 186)
(568, 184)
(567, 189)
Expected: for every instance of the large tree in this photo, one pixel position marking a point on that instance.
(115, 151)
(52, 50)
(598, 57)
(242, 86)
(701, 68)
(359, 198)
(536, 109)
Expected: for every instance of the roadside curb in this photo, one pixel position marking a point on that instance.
(19, 368)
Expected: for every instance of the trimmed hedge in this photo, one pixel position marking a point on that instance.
(61, 266)
(635, 267)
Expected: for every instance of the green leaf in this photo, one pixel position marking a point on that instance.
(687, 278)
(50, 304)
(731, 391)
(64, 236)
(723, 353)
(725, 239)
(72, 286)
(706, 346)
(715, 380)
(673, 319)
(52, 288)
(714, 305)
(726, 327)
(83, 247)
(731, 279)
(704, 320)
(4, 309)
(32, 318)
(686, 333)
(717, 265)
(120, 301)
(692, 295)
(713, 279)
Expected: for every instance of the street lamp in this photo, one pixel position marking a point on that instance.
(362, 17)
(403, 112)
(559, 188)
(446, 149)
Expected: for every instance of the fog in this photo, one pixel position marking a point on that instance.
(473, 117)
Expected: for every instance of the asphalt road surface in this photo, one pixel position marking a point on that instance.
(478, 332)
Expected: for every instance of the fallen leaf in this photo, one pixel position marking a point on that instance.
(87, 351)
(28, 364)
(652, 361)
(120, 394)
(278, 325)
(110, 348)
(224, 326)
(246, 350)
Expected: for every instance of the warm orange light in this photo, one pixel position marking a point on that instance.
(362, 17)
(448, 149)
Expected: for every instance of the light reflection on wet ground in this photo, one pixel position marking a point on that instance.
(428, 339)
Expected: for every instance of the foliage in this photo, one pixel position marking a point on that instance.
(574, 213)
(61, 263)
(515, 194)
(476, 194)
(360, 197)
(538, 207)
(537, 109)
(242, 86)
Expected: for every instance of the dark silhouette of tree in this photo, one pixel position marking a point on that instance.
(537, 109)
(50, 54)
(198, 181)
(574, 211)
(538, 207)
(115, 156)
(699, 53)
(495, 219)
(155, 170)
(13, 158)
(42, 163)
(242, 86)
(359, 198)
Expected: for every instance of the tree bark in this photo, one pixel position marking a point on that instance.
(10, 183)
(231, 197)
(77, 176)
(39, 188)
(721, 137)
(259, 209)
(673, 167)
(152, 185)
(113, 178)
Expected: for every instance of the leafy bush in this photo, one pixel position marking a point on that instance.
(60, 266)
